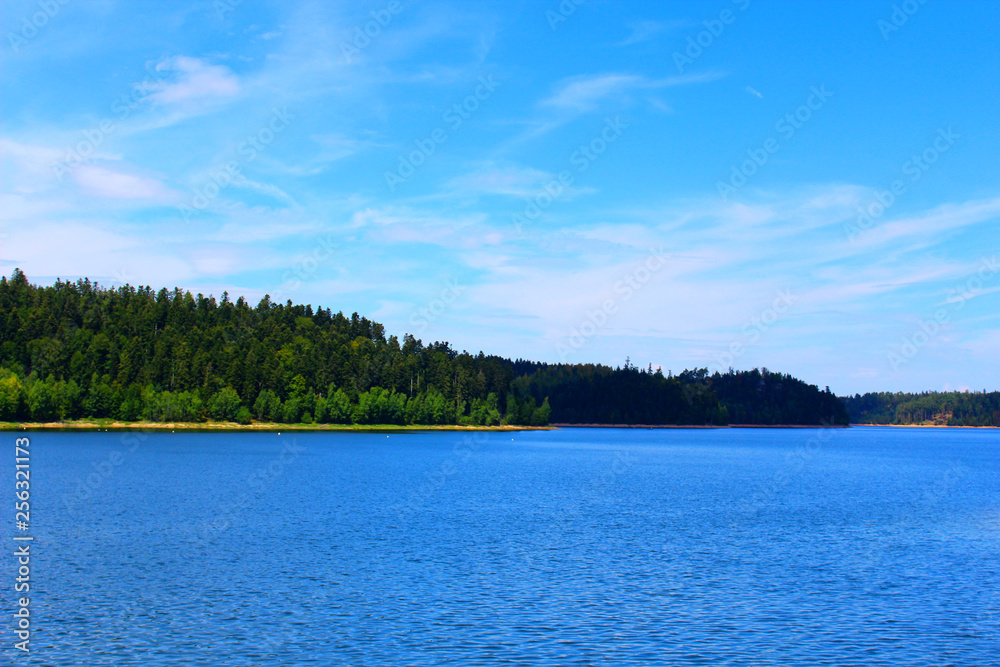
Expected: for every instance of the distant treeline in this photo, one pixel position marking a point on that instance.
(940, 408)
(78, 350)
(590, 394)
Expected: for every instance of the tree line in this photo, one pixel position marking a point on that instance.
(939, 408)
(79, 350)
(595, 394)
(76, 349)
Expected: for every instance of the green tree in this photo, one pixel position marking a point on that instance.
(224, 405)
(540, 415)
(69, 398)
(42, 403)
(291, 411)
(99, 400)
(339, 408)
(11, 396)
(243, 415)
(267, 407)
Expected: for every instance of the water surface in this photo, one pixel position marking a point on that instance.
(871, 546)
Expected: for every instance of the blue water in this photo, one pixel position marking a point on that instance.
(868, 546)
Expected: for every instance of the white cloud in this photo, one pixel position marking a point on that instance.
(582, 93)
(194, 81)
(111, 184)
(643, 31)
(27, 168)
(929, 227)
(402, 215)
(263, 188)
(490, 178)
(579, 95)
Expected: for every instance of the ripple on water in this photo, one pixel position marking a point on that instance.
(710, 548)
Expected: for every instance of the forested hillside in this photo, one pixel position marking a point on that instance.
(940, 408)
(763, 397)
(75, 350)
(592, 394)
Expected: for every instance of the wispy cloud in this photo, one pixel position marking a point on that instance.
(583, 93)
(644, 31)
(579, 95)
(505, 179)
(118, 185)
(192, 81)
(931, 227)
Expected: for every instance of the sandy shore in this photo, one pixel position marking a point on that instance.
(110, 425)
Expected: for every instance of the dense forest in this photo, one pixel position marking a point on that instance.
(589, 394)
(78, 350)
(939, 408)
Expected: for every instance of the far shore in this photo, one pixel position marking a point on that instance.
(693, 426)
(923, 426)
(112, 425)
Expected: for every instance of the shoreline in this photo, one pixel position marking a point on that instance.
(694, 426)
(560, 425)
(112, 425)
(923, 426)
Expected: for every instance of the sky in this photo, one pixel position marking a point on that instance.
(807, 187)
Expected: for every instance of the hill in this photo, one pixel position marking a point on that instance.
(78, 350)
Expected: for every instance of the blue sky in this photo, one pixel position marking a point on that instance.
(807, 187)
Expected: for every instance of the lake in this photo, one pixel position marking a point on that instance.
(867, 546)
